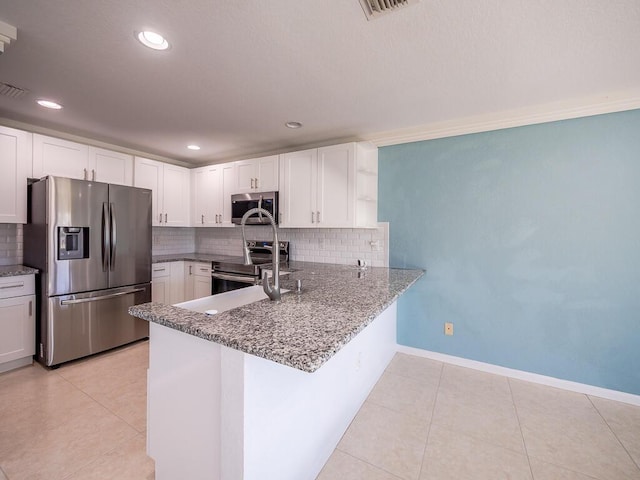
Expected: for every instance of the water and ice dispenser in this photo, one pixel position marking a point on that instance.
(73, 242)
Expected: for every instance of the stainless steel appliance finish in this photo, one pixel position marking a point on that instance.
(232, 273)
(241, 203)
(92, 244)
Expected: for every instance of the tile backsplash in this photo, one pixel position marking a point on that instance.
(331, 245)
(10, 244)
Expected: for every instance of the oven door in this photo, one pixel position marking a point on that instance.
(225, 282)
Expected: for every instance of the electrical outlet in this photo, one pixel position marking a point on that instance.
(448, 328)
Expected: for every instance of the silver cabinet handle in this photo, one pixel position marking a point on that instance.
(312, 217)
(190, 269)
(15, 285)
(93, 174)
(252, 187)
(30, 308)
(165, 218)
(205, 270)
(202, 220)
(318, 216)
(159, 269)
(256, 183)
(102, 297)
(280, 217)
(160, 218)
(84, 177)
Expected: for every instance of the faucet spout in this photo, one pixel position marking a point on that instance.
(273, 292)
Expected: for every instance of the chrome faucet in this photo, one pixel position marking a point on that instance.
(272, 292)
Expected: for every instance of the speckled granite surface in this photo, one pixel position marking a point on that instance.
(188, 257)
(15, 270)
(303, 330)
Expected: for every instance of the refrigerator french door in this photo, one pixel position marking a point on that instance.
(91, 242)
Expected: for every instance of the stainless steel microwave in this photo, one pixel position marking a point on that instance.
(243, 202)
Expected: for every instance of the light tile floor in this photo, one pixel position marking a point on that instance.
(424, 420)
(84, 420)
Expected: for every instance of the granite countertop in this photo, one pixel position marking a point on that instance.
(304, 330)
(16, 270)
(189, 257)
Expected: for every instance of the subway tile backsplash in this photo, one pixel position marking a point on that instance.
(331, 245)
(10, 244)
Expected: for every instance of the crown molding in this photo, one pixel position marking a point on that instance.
(551, 112)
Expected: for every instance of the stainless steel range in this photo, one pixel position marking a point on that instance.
(232, 273)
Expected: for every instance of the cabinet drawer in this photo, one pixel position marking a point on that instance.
(202, 270)
(159, 270)
(17, 286)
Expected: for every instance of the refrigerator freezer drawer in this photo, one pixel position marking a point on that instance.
(83, 324)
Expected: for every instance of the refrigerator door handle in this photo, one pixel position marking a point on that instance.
(106, 235)
(102, 297)
(113, 239)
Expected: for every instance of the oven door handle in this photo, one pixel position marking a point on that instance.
(234, 278)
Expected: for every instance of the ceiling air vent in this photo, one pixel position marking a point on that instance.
(377, 8)
(8, 90)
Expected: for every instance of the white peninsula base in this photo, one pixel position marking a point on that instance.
(216, 413)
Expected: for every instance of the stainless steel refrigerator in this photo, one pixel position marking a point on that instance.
(91, 242)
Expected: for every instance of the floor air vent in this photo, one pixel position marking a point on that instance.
(377, 8)
(8, 90)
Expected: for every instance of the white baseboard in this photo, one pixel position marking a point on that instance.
(526, 376)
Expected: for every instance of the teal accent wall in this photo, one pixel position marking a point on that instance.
(531, 241)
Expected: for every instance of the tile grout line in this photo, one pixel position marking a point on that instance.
(370, 464)
(433, 409)
(613, 432)
(524, 442)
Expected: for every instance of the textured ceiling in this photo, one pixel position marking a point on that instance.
(237, 71)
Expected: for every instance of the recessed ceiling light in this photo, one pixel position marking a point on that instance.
(49, 104)
(193, 147)
(152, 40)
(293, 125)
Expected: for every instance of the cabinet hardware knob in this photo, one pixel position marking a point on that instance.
(318, 216)
(85, 174)
(256, 183)
(165, 218)
(93, 174)
(312, 217)
(202, 221)
(160, 218)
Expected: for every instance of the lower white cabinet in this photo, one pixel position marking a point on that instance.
(17, 321)
(167, 282)
(197, 280)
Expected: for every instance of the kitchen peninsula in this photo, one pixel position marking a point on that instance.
(267, 389)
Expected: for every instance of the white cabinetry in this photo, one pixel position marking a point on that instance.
(329, 187)
(170, 191)
(211, 189)
(197, 280)
(54, 156)
(15, 165)
(17, 321)
(257, 175)
(167, 282)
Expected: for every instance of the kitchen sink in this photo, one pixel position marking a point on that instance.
(226, 301)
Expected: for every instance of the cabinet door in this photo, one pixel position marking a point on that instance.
(177, 283)
(228, 181)
(110, 167)
(298, 188)
(15, 161)
(148, 174)
(17, 328)
(175, 197)
(246, 172)
(53, 156)
(202, 286)
(336, 184)
(189, 280)
(267, 174)
(160, 282)
(205, 196)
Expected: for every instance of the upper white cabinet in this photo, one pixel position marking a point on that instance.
(15, 165)
(329, 187)
(111, 167)
(54, 156)
(211, 189)
(257, 175)
(170, 191)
